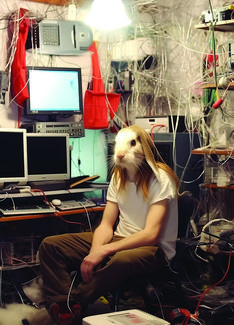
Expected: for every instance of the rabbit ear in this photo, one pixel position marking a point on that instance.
(147, 146)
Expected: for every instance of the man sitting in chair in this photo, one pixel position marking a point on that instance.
(142, 196)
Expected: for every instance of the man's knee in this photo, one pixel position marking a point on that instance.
(47, 244)
(135, 260)
(123, 259)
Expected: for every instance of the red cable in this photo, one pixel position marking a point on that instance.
(154, 126)
(220, 101)
(37, 190)
(214, 285)
(57, 212)
(72, 222)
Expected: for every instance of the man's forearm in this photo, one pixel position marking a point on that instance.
(102, 235)
(141, 238)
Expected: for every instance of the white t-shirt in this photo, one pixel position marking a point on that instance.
(133, 209)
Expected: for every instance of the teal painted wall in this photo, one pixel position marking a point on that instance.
(89, 156)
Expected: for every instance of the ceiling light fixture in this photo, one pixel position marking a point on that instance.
(107, 15)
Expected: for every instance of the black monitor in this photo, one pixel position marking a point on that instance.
(13, 161)
(54, 91)
(48, 156)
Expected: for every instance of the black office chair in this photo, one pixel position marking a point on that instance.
(187, 206)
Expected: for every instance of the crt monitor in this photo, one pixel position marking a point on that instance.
(13, 161)
(54, 91)
(48, 156)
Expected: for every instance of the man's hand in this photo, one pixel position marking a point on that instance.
(91, 262)
(100, 247)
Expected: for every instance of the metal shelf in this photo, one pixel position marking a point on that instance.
(215, 186)
(221, 26)
(212, 151)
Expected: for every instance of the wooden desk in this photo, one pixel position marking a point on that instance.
(50, 195)
(25, 232)
(20, 225)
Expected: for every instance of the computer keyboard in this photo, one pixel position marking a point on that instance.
(27, 209)
(75, 204)
(44, 208)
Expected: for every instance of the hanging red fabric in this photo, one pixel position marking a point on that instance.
(18, 69)
(98, 105)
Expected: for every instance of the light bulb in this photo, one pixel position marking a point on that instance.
(107, 15)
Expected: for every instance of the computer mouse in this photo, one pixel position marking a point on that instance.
(56, 202)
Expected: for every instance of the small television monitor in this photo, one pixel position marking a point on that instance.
(48, 156)
(54, 91)
(13, 161)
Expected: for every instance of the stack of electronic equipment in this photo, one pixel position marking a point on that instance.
(19, 251)
(217, 14)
